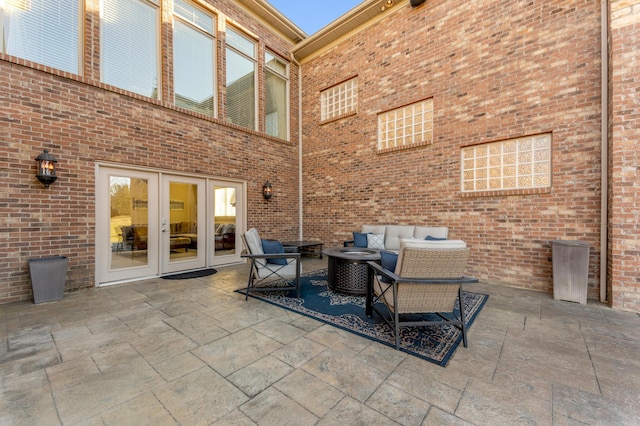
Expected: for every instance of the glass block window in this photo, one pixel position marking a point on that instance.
(521, 163)
(339, 100)
(409, 125)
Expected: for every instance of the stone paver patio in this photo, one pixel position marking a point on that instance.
(192, 352)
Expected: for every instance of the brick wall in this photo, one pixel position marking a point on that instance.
(82, 122)
(495, 72)
(624, 173)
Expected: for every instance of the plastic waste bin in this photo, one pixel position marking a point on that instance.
(48, 276)
(570, 270)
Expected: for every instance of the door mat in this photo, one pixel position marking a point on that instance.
(191, 274)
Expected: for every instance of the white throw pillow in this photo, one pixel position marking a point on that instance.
(375, 241)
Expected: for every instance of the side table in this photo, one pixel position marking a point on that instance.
(304, 247)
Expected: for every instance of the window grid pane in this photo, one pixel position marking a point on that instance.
(339, 100)
(42, 31)
(241, 80)
(514, 164)
(193, 72)
(406, 126)
(129, 54)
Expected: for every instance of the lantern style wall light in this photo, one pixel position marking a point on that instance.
(267, 190)
(46, 168)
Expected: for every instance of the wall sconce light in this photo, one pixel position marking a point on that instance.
(416, 3)
(46, 168)
(267, 190)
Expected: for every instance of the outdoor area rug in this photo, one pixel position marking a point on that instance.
(434, 344)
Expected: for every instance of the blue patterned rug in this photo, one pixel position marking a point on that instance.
(434, 344)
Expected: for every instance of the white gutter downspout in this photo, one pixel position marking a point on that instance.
(293, 59)
(604, 149)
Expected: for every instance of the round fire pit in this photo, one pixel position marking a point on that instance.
(347, 268)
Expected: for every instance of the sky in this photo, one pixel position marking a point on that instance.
(310, 16)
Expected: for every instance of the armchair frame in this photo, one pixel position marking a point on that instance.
(412, 295)
(271, 273)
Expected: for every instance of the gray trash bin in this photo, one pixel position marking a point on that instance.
(570, 270)
(48, 276)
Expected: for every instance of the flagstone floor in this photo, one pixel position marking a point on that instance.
(193, 352)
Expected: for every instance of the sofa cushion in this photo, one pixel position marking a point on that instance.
(274, 247)
(359, 240)
(430, 238)
(393, 234)
(435, 231)
(375, 241)
(373, 229)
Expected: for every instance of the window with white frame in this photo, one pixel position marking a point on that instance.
(339, 100)
(42, 31)
(129, 45)
(521, 163)
(277, 99)
(406, 126)
(241, 80)
(193, 58)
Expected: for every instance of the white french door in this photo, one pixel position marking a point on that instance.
(151, 223)
(182, 223)
(126, 224)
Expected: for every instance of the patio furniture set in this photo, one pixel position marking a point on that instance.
(409, 269)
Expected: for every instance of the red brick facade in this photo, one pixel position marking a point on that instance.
(624, 156)
(496, 72)
(83, 122)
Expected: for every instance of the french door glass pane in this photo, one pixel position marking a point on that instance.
(129, 221)
(129, 45)
(183, 214)
(42, 31)
(225, 220)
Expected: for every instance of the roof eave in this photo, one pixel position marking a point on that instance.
(270, 14)
(345, 24)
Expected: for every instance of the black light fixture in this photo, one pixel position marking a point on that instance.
(416, 3)
(46, 168)
(267, 190)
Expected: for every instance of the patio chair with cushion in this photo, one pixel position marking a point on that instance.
(427, 278)
(272, 269)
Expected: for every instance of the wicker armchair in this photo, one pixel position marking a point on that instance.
(269, 270)
(428, 278)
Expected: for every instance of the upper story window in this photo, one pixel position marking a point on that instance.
(241, 80)
(407, 126)
(193, 58)
(42, 31)
(129, 45)
(277, 99)
(522, 163)
(339, 100)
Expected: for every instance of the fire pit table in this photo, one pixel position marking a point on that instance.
(348, 270)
